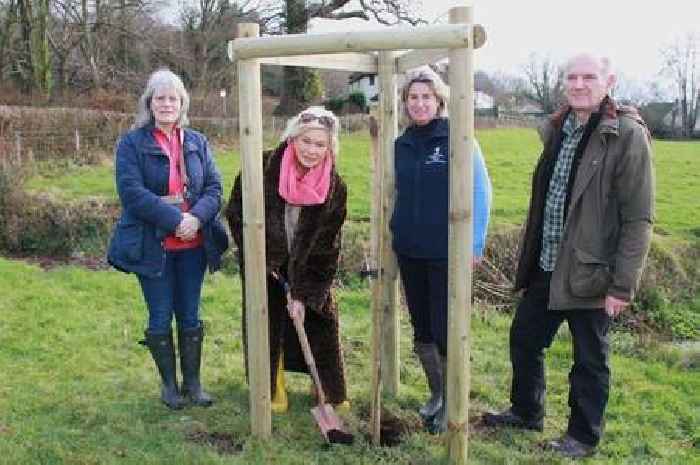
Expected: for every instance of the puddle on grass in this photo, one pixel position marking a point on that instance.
(223, 443)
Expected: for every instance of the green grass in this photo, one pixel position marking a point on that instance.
(70, 181)
(510, 155)
(78, 390)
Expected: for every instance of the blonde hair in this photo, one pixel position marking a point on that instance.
(161, 79)
(426, 75)
(296, 127)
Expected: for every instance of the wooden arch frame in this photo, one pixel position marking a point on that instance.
(348, 51)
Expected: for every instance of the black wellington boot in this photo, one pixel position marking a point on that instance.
(163, 353)
(432, 366)
(190, 345)
(439, 423)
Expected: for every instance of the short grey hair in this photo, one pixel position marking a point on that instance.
(426, 75)
(161, 79)
(296, 127)
(605, 63)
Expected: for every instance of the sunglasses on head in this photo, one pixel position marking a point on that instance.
(326, 121)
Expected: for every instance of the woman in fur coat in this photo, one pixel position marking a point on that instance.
(305, 207)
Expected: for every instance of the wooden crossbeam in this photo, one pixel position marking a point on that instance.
(441, 36)
(357, 62)
(415, 58)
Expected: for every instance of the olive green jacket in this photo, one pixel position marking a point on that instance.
(608, 228)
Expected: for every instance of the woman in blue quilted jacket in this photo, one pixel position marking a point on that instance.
(169, 232)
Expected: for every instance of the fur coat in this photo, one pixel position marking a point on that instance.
(309, 269)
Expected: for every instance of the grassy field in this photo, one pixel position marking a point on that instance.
(510, 156)
(78, 390)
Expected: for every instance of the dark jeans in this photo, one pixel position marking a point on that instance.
(176, 292)
(533, 330)
(425, 285)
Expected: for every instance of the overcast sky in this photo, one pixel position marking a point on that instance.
(630, 32)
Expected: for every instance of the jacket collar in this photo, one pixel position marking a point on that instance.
(439, 127)
(151, 145)
(609, 122)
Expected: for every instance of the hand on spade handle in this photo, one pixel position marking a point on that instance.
(296, 313)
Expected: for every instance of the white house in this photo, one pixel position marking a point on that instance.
(364, 82)
(483, 101)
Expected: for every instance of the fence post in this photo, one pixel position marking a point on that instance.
(77, 141)
(18, 147)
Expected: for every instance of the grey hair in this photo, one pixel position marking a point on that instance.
(606, 69)
(160, 79)
(296, 127)
(426, 75)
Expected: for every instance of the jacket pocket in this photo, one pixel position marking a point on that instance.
(589, 276)
(127, 242)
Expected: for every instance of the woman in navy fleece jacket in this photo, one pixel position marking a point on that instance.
(420, 226)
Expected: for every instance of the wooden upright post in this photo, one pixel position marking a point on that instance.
(250, 120)
(461, 76)
(388, 270)
(375, 401)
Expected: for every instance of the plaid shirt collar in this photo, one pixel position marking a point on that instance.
(572, 126)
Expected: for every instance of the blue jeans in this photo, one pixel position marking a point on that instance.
(177, 291)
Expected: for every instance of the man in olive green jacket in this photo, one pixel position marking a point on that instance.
(584, 246)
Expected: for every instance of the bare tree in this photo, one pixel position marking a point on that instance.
(508, 90)
(681, 62)
(632, 91)
(8, 19)
(206, 28)
(293, 16)
(545, 82)
(24, 41)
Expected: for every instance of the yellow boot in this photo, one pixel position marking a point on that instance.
(343, 407)
(280, 404)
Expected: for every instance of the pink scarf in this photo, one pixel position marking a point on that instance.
(298, 188)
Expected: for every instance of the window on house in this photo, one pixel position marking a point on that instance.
(371, 80)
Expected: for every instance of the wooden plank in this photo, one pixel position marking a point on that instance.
(377, 310)
(357, 62)
(257, 316)
(397, 38)
(415, 58)
(388, 114)
(461, 77)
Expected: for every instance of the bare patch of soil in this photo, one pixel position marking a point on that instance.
(223, 443)
(393, 428)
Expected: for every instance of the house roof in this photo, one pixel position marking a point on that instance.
(354, 77)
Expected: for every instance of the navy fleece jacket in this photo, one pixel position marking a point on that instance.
(420, 220)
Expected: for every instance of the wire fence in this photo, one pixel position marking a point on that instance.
(30, 134)
(28, 139)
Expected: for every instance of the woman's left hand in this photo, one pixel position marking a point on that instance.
(296, 309)
(188, 227)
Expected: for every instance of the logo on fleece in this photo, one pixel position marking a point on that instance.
(436, 157)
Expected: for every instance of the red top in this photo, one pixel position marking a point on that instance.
(172, 146)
